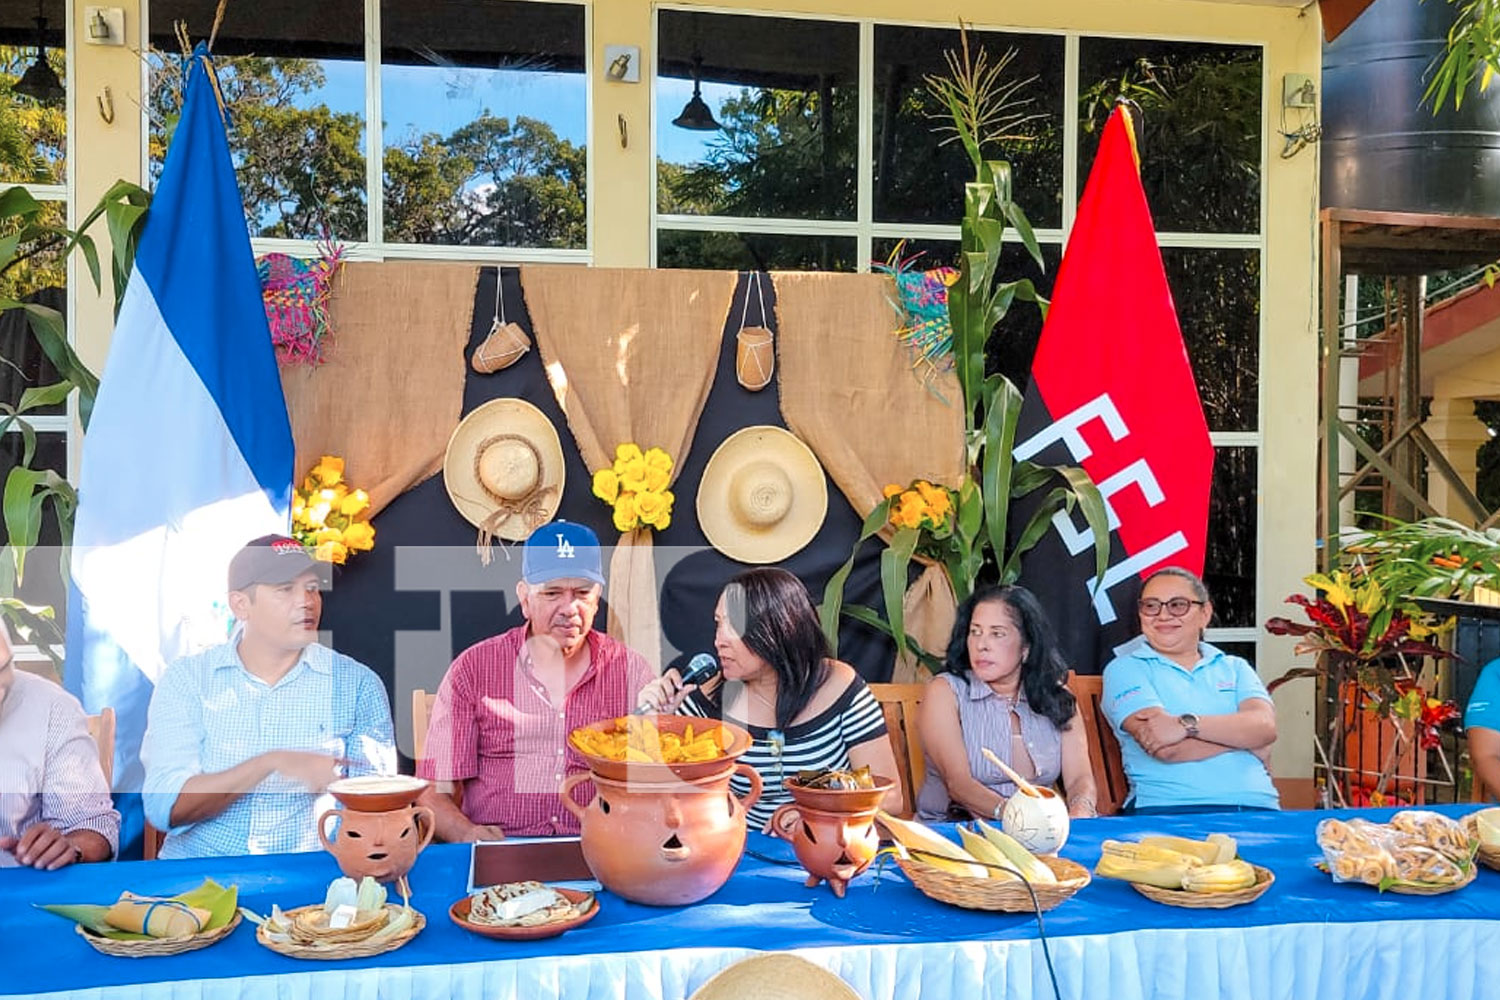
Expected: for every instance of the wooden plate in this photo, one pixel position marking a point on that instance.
(459, 914)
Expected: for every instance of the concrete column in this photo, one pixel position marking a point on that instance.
(1458, 433)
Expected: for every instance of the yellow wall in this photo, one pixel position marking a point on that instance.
(620, 202)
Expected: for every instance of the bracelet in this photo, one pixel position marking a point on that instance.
(999, 807)
(1085, 801)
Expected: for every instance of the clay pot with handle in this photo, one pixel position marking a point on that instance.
(664, 843)
(382, 845)
(832, 846)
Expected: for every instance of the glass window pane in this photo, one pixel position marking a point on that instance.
(754, 251)
(34, 127)
(783, 90)
(1012, 345)
(41, 278)
(485, 116)
(1201, 126)
(1217, 293)
(43, 580)
(919, 175)
(294, 83)
(1233, 514)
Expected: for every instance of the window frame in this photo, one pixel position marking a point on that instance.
(866, 230)
(375, 247)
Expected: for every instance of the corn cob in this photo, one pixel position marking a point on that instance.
(1227, 877)
(1143, 863)
(1019, 857)
(1203, 850)
(937, 850)
(987, 852)
(1227, 847)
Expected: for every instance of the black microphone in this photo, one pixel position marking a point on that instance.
(700, 670)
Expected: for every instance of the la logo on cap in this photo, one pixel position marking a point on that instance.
(564, 547)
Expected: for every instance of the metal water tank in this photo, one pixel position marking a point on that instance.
(1383, 149)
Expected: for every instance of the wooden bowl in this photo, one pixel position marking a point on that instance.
(378, 793)
(633, 771)
(459, 914)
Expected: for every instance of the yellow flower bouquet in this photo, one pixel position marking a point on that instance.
(636, 487)
(921, 505)
(328, 516)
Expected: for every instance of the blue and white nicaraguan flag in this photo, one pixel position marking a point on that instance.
(189, 452)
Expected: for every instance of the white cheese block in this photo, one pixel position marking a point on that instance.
(527, 902)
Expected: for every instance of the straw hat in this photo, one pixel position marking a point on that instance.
(504, 468)
(775, 976)
(763, 496)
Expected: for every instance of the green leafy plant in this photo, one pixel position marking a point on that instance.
(30, 492)
(983, 108)
(1473, 51)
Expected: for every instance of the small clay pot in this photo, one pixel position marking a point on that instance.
(382, 845)
(847, 800)
(664, 843)
(835, 846)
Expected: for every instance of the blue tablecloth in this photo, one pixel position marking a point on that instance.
(1307, 937)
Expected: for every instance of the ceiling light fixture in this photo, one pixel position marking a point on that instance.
(696, 115)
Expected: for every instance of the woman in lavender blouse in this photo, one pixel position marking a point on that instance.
(1003, 690)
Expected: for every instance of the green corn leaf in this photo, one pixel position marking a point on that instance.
(833, 593)
(220, 902)
(894, 562)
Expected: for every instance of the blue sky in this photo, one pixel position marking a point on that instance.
(418, 99)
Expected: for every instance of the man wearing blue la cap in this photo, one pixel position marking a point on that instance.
(503, 713)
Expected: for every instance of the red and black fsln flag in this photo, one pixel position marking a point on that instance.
(1111, 391)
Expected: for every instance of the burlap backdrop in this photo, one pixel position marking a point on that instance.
(631, 356)
(392, 388)
(857, 402)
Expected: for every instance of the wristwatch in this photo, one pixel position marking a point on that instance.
(1190, 723)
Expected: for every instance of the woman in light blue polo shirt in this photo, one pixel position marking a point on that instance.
(1195, 725)
(1482, 726)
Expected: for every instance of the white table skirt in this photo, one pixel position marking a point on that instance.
(1373, 960)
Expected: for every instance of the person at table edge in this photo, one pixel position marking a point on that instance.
(243, 738)
(55, 808)
(503, 712)
(1482, 727)
(1195, 724)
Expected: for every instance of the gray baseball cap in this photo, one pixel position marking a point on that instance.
(273, 559)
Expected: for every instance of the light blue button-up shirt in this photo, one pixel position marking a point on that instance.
(209, 714)
(1143, 678)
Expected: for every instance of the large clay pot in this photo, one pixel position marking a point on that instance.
(665, 843)
(835, 846)
(1039, 823)
(382, 845)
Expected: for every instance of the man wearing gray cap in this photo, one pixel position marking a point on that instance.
(243, 738)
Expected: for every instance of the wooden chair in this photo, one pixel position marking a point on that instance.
(102, 730)
(899, 703)
(151, 841)
(1104, 749)
(421, 718)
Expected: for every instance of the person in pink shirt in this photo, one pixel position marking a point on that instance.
(500, 724)
(55, 806)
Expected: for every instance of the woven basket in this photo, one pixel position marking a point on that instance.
(1412, 889)
(1487, 856)
(333, 950)
(1210, 900)
(157, 946)
(1004, 895)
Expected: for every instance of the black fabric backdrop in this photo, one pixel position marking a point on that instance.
(365, 610)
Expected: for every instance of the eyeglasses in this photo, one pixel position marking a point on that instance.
(1150, 607)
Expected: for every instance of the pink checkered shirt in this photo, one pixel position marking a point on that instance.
(494, 730)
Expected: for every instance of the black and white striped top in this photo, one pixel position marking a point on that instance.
(820, 743)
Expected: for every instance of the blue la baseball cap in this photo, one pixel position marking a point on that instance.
(562, 549)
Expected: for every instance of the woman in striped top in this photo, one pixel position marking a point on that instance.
(803, 709)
